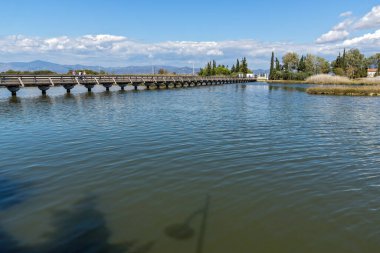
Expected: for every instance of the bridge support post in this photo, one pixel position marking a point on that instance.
(13, 89)
(43, 88)
(122, 85)
(68, 87)
(89, 87)
(107, 86)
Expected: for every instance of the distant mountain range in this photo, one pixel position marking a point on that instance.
(44, 65)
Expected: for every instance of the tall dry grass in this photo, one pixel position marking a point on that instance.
(328, 79)
(372, 90)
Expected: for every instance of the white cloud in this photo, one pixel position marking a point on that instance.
(342, 30)
(366, 40)
(332, 36)
(370, 20)
(338, 33)
(344, 25)
(346, 14)
(110, 50)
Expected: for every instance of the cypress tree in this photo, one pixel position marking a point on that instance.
(233, 68)
(338, 61)
(271, 70)
(343, 61)
(302, 65)
(278, 66)
(237, 67)
(244, 66)
(208, 69)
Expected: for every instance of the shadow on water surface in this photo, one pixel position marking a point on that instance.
(184, 231)
(81, 229)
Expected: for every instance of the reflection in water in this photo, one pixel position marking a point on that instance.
(14, 100)
(287, 88)
(82, 229)
(183, 231)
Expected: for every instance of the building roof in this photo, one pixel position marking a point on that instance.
(372, 70)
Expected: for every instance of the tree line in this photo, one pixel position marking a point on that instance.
(351, 63)
(212, 69)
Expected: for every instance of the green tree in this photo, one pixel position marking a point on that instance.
(163, 71)
(316, 65)
(237, 66)
(208, 69)
(301, 65)
(213, 68)
(290, 61)
(323, 66)
(244, 66)
(233, 68)
(278, 65)
(343, 61)
(356, 64)
(339, 71)
(271, 70)
(374, 61)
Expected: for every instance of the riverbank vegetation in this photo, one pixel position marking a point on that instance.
(373, 90)
(212, 69)
(352, 64)
(329, 79)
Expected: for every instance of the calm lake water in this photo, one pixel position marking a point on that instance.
(233, 168)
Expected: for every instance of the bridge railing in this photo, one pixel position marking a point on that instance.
(38, 80)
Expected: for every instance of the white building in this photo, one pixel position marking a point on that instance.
(371, 72)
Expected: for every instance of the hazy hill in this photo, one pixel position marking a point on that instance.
(44, 65)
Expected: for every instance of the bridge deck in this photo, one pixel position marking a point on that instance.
(43, 82)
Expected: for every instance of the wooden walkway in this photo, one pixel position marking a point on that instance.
(14, 82)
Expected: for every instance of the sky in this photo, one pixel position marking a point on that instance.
(183, 33)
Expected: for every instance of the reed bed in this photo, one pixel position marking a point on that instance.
(372, 90)
(342, 80)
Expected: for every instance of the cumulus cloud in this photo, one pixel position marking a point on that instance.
(346, 14)
(338, 33)
(344, 25)
(370, 20)
(111, 50)
(333, 36)
(342, 30)
(366, 40)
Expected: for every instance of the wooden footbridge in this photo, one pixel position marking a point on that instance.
(14, 82)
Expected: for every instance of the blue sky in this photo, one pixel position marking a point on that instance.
(119, 33)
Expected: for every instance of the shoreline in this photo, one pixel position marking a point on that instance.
(345, 91)
(351, 82)
(287, 81)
